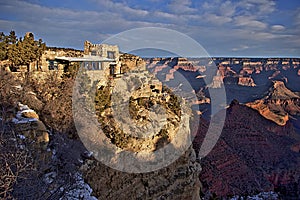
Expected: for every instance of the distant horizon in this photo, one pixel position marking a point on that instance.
(212, 56)
(225, 57)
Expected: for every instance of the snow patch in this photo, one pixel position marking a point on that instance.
(88, 154)
(19, 119)
(22, 137)
(50, 177)
(81, 190)
(23, 120)
(261, 196)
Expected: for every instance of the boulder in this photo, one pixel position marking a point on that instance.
(30, 114)
(246, 81)
(27, 123)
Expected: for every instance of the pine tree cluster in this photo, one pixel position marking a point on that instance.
(21, 51)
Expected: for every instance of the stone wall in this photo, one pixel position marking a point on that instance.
(38, 75)
(102, 50)
(49, 55)
(52, 52)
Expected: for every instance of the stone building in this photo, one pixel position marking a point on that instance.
(102, 50)
(107, 55)
(55, 58)
(100, 60)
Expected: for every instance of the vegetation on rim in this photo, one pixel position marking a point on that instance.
(21, 51)
(126, 141)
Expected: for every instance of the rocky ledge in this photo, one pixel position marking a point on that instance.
(279, 104)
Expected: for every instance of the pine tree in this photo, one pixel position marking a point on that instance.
(39, 48)
(13, 49)
(12, 54)
(21, 51)
(28, 53)
(3, 46)
(12, 38)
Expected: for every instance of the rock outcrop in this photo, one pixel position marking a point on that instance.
(140, 119)
(278, 104)
(131, 62)
(27, 123)
(154, 113)
(172, 65)
(176, 181)
(246, 81)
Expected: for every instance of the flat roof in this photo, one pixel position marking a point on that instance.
(85, 59)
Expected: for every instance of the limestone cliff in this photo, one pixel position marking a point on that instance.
(140, 117)
(278, 104)
(130, 62)
(177, 181)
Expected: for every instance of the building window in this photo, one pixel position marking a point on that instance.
(52, 65)
(112, 70)
(111, 55)
(93, 53)
(95, 65)
(88, 65)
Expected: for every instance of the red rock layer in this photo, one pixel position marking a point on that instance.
(251, 155)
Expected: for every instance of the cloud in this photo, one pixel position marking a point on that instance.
(66, 27)
(122, 8)
(227, 9)
(277, 28)
(221, 8)
(257, 7)
(254, 8)
(248, 14)
(249, 22)
(297, 17)
(181, 7)
(217, 19)
(220, 25)
(164, 16)
(241, 47)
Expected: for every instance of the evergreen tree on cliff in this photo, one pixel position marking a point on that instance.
(5, 42)
(28, 50)
(12, 49)
(3, 47)
(21, 51)
(39, 49)
(13, 54)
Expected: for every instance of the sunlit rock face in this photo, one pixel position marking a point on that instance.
(278, 104)
(138, 115)
(246, 81)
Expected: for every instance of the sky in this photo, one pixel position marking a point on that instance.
(263, 28)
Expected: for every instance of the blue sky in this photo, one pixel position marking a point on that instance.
(222, 27)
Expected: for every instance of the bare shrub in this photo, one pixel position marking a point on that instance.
(15, 162)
